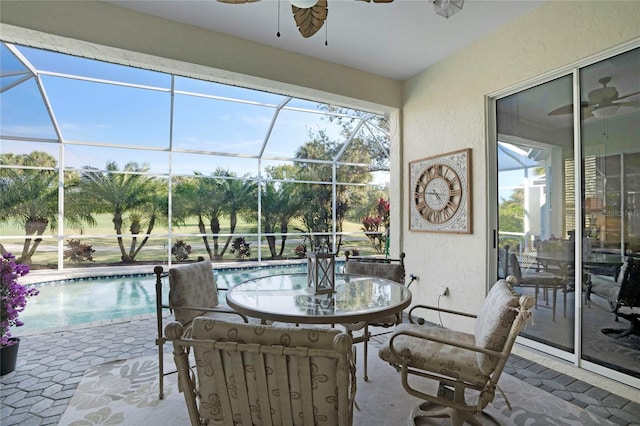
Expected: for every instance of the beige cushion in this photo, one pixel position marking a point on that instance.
(621, 273)
(494, 322)
(611, 290)
(322, 369)
(192, 285)
(531, 278)
(437, 357)
(491, 330)
(629, 281)
(390, 271)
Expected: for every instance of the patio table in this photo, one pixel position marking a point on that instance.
(285, 298)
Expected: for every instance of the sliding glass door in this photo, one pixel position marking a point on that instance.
(610, 138)
(568, 182)
(536, 225)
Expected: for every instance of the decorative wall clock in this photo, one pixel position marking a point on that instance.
(440, 198)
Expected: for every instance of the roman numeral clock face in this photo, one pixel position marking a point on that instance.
(439, 201)
(438, 193)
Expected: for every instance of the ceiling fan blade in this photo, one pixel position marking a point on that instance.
(628, 96)
(587, 112)
(237, 1)
(627, 104)
(568, 109)
(311, 19)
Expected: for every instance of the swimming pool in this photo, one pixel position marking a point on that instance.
(84, 301)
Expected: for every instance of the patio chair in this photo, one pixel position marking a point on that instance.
(391, 269)
(541, 280)
(622, 296)
(503, 262)
(253, 374)
(192, 292)
(465, 365)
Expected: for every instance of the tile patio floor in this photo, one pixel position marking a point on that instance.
(51, 365)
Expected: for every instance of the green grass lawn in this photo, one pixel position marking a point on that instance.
(102, 239)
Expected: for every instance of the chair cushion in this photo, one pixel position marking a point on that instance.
(619, 275)
(192, 285)
(494, 322)
(323, 369)
(390, 271)
(386, 321)
(439, 358)
(629, 281)
(531, 278)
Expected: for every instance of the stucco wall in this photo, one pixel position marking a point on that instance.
(444, 110)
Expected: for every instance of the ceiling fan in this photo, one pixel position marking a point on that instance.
(309, 15)
(602, 102)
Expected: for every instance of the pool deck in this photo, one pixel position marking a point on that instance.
(50, 366)
(37, 276)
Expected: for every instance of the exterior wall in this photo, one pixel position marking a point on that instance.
(444, 110)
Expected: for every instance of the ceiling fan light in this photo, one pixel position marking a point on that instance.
(606, 111)
(447, 8)
(304, 4)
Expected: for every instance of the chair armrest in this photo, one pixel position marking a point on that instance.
(434, 308)
(217, 310)
(473, 348)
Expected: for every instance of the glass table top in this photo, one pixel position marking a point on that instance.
(286, 298)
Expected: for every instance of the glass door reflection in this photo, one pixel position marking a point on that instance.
(536, 193)
(610, 129)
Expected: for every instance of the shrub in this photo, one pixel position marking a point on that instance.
(78, 252)
(241, 248)
(300, 250)
(181, 250)
(13, 296)
(377, 227)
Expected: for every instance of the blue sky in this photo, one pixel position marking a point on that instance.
(137, 115)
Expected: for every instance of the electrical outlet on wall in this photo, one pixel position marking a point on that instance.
(443, 290)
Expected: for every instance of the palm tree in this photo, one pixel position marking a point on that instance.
(199, 197)
(287, 210)
(130, 195)
(277, 209)
(238, 197)
(279, 204)
(29, 197)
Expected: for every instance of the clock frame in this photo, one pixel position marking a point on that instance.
(439, 193)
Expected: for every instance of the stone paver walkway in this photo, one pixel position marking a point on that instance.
(51, 365)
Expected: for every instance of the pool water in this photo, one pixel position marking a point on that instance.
(98, 299)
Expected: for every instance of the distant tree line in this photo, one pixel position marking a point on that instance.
(138, 202)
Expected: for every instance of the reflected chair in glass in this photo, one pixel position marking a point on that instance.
(391, 269)
(540, 281)
(253, 374)
(622, 296)
(192, 292)
(503, 262)
(467, 366)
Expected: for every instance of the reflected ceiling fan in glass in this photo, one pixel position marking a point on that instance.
(603, 102)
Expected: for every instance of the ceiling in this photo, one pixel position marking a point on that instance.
(395, 40)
